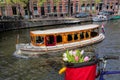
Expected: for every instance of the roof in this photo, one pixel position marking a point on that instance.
(65, 29)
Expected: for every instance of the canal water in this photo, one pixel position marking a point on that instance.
(46, 67)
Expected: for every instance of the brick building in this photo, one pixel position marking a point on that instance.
(49, 8)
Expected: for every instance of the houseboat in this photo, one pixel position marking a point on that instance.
(52, 40)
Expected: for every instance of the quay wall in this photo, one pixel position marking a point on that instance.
(10, 25)
(19, 24)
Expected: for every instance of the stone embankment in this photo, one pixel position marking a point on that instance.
(18, 24)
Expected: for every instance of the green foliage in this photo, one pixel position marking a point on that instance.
(1, 0)
(56, 1)
(40, 2)
(8, 1)
(70, 59)
(97, 1)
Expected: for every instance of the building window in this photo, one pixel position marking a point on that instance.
(83, 7)
(54, 9)
(26, 11)
(66, 7)
(60, 7)
(88, 7)
(76, 7)
(93, 6)
(48, 6)
(14, 10)
(35, 9)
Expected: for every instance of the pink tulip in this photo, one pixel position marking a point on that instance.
(76, 58)
(74, 52)
(86, 59)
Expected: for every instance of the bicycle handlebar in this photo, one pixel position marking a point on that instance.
(107, 57)
(111, 57)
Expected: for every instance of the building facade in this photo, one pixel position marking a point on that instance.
(60, 9)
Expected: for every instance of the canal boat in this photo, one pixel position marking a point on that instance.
(102, 18)
(52, 40)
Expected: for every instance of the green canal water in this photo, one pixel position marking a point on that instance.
(46, 67)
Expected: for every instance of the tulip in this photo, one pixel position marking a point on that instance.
(64, 55)
(76, 58)
(74, 52)
(82, 52)
(86, 59)
(65, 58)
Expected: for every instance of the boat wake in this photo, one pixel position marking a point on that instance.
(20, 56)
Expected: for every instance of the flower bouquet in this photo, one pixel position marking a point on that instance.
(75, 56)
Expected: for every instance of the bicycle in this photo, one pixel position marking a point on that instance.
(102, 70)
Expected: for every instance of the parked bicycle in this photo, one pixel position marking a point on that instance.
(102, 62)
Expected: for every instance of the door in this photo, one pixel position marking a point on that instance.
(42, 11)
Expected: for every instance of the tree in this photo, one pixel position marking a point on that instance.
(5, 2)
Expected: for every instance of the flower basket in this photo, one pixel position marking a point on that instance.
(82, 67)
(81, 71)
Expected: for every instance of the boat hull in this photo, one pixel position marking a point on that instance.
(101, 18)
(28, 50)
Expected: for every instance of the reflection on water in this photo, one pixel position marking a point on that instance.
(46, 67)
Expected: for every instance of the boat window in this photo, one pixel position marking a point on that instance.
(94, 32)
(87, 35)
(40, 39)
(82, 35)
(59, 38)
(69, 37)
(76, 36)
(50, 40)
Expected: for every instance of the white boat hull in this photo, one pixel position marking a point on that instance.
(101, 18)
(28, 50)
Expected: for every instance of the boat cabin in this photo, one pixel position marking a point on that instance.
(59, 36)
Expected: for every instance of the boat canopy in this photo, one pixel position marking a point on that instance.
(67, 29)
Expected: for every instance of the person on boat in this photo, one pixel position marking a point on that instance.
(40, 40)
(47, 40)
